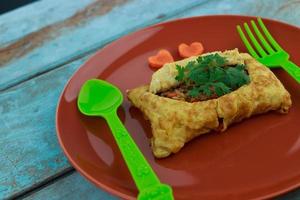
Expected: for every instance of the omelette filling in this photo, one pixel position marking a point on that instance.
(208, 77)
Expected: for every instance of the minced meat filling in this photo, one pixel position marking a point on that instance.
(180, 93)
(208, 77)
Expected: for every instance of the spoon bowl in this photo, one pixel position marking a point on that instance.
(98, 97)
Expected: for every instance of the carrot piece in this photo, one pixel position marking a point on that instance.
(171, 94)
(194, 49)
(162, 57)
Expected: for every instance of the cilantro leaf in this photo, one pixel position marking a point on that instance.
(221, 89)
(212, 60)
(209, 75)
(193, 92)
(235, 78)
(206, 90)
(180, 75)
(198, 76)
(190, 65)
(240, 66)
(217, 74)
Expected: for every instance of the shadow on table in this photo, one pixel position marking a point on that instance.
(6, 6)
(292, 195)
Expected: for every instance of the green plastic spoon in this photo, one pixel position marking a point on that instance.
(100, 98)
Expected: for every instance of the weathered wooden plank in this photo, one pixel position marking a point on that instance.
(73, 187)
(283, 10)
(30, 18)
(34, 40)
(69, 43)
(88, 29)
(29, 149)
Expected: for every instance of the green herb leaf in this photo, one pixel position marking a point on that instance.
(217, 74)
(198, 75)
(190, 65)
(212, 60)
(209, 75)
(193, 92)
(180, 75)
(206, 90)
(240, 67)
(221, 89)
(235, 77)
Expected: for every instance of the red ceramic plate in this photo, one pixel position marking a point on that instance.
(257, 158)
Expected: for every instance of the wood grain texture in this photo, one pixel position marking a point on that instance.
(29, 149)
(57, 43)
(73, 187)
(70, 42)
(33, 40)
(30, 18)
(284, 10)
(30, 152)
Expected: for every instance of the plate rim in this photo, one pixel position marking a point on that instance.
(108, 189)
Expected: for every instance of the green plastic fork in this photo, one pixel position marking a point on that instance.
(272, 55)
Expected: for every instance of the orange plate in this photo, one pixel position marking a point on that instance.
(257, 158)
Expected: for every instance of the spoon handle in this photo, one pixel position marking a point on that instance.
(145, 178)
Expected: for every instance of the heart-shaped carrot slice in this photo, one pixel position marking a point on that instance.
(162, 57)
(194, 49)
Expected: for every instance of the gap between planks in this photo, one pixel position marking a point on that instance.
(41, 185)
(93, 48)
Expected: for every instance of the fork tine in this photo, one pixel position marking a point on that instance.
(268, 35)
(246, 42)
(260, 50)
(261, 38)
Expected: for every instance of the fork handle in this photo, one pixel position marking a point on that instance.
(292, 69)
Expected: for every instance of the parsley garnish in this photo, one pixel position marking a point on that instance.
(209, 75)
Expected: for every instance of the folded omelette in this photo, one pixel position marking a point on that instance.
(175, 122)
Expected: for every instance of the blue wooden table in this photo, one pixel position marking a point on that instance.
(41, 45)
